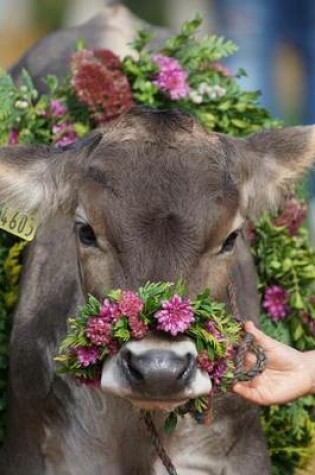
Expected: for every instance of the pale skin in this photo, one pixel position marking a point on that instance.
(289, 374)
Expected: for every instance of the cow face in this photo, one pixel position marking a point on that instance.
(156, 198)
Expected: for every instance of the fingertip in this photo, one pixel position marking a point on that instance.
(249, 326)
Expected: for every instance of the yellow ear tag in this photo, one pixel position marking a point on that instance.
(18, 223)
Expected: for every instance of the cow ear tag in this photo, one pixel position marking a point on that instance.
(18, 223)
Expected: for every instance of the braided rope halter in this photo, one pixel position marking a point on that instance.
(240, 374)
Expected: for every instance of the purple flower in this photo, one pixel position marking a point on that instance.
(13, 138)
(176, 316)
(110, 311)
(130, 304)
(275, 302)
(99, 331)
(171, 78)
(87, 355)
(64, 134)
(219, 371)
(57, 108)
(211, 328)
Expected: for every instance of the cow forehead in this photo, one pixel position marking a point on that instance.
(161, 190)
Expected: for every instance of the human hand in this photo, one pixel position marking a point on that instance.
(289, 374)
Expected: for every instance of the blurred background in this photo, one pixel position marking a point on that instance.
(276, 40)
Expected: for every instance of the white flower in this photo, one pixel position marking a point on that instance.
(195, 96)
(220, 91)
(204, 89)
(213, 92)
(21, 104)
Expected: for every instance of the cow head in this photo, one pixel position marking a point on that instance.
(155, 197)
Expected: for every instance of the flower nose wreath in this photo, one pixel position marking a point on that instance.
(102, 327)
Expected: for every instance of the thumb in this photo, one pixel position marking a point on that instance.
(263, 340)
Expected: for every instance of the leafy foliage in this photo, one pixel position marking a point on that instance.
(237, 112)
(288, 261)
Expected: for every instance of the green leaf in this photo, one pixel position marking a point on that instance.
(170, 422)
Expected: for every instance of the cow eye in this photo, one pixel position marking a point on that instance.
(229, 243)
(86, 235)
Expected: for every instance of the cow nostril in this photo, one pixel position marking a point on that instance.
(130, 366)
(188, 369)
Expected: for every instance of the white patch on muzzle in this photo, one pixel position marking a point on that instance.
(114, 381)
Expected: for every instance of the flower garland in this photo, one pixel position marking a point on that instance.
(185, 73)
(101, 328)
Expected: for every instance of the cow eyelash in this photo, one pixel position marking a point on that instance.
(229, 243)
(86, 234)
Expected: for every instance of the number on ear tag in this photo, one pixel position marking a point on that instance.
(18, 223)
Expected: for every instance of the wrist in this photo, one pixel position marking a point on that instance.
(309, 363)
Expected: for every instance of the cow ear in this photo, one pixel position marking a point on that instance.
(42, 179)
(268, 165)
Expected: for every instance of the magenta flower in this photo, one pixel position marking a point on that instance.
(275, 302)
(138, 328)
(57, 108)
(176, 317)
(130, 304)
(13, 138)
(211, 328)
(87, 355)
(171, 78)
(99, 331)
(219, 371)
(204, 362)
(64, 134)
(292, 216)
(110, 311)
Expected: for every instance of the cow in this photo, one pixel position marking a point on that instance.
(151, 197)
(114, 27)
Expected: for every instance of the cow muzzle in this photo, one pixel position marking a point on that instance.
(155, 373)
(158, 374)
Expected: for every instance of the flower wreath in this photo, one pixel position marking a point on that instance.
(186, 73)
(103, 327)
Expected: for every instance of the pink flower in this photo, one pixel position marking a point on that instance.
(113, 347)
(292, 216)
(110, 311)
(13, 138)
(171, 78)
(57, 108)
(204, 363)
(99, 331)
(138, 328)
(64, 134)
(130, 304)
(219, 371)
(211, 328)
(275, 302)
(87, 355)
(221, 69)
(176, 316)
